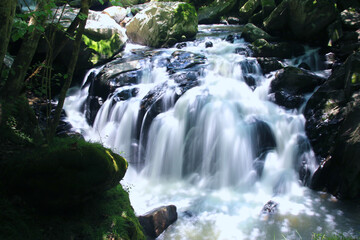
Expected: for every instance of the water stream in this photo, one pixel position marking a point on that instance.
(219, 152)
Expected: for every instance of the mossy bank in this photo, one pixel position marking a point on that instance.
(66, 190)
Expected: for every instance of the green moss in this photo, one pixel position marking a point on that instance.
(67, 173)
(107, 217)
(185, 22)
(103, 49)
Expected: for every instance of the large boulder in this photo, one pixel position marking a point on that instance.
(304, 19)
(65, 174)
(332, 125)
(211, 13)
(290, 85)
(117, 73)
(251, 33)
(282, 50)
(163, 24)
(247, 9)
(295, 80)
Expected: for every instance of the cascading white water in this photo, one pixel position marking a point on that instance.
(202, 152)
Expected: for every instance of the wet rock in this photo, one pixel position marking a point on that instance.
(263, 141)
(332, 126)
(269, 64)
(115, 74)
(158, 220)
(184, 60)
(208, 44)
(180, 45)
(252, 33)
(282, 50)
(270, 207)
(126, 94)
(212, 12)
(290, 84)
(230, 38)
(301, 164)
(163, 24)
(243, 51)
(289, 101)
(295, 81)
(302, 19)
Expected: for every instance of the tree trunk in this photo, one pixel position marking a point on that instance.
(71, 67)
(7, 12)
(15, 82)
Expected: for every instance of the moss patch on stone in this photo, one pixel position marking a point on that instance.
(108, 217)
(65, 174)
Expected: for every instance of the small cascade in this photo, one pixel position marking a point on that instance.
(199, 131)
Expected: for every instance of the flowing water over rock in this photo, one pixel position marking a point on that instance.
(199, 131)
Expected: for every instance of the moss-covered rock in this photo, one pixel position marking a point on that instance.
(247, 10)
(211, 13)
(304, 19)
(163, 24)
(262, 48)
(252, 33)
(65, 174)
(109, 216)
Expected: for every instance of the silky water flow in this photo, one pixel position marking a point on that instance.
(219, 151)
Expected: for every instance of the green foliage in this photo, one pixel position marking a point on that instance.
(105, 48)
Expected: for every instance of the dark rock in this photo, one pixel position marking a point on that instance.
(335, 32)
(249, 69)
(248, 9)
(208, 44)
(269, 64)
(304, 66)
(262, 48)
(345, 4)
(302, 19)
(180, 45)
(270, 207)
(126, 94)
(183, 60)
(263, 141)
(332, 126)
(158, 220)
(243, 51)
(211, 13)
(289, 101)
(295, 81)
(252, 33)
(115, 74)
(230, 38)
(301, 163)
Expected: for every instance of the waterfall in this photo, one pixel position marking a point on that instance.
(212, 144)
